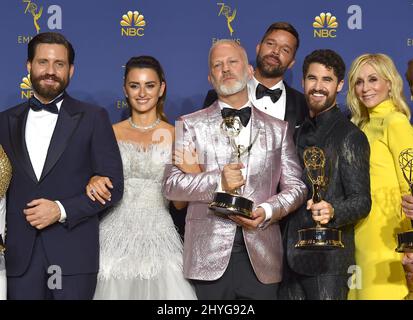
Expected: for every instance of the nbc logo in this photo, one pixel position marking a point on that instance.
(26, 86)
(325, 25)
(132, 24)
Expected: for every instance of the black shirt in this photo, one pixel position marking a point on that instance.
(347, 155)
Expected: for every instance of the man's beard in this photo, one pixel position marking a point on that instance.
(48, 92)
(317, 107)
(224, 90)
(268, 71)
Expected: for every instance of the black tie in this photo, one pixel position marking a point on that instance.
(36, 105)
(262, 91)
(243, 114)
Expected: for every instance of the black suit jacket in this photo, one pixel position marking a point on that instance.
(83, 144)
(347, 155)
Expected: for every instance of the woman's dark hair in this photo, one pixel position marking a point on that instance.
(148, 62)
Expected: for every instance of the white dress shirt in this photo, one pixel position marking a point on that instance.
(265, 104)
(244, 139)
(40, 126)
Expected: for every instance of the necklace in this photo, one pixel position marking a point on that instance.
(144, 128)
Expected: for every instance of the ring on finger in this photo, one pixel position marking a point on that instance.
(92, 191)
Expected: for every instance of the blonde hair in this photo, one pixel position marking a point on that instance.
(386, 69)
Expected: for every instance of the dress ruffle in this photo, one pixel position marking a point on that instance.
(140, 248)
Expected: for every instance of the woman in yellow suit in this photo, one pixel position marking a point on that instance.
(378, 107)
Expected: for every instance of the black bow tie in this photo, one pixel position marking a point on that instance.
(243, 114)
(262, 91)
(36, 105)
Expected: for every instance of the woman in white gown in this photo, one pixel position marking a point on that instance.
(140, 249)
(5, 177)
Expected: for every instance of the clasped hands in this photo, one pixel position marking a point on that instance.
(407, 205)
(98, 189)
(232, 179)
(321, 211)
(41, 213)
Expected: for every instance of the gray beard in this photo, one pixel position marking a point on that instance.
(224, 90)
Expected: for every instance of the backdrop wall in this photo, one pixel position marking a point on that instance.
(180, 32)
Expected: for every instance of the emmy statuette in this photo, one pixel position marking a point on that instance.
(405, 239)
(317, 238)
(233, 202)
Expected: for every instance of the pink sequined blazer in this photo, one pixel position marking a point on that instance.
(273, 177)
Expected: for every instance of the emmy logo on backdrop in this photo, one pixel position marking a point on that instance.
(318, 237)
(233, 203)
(32, 8)
(230, 16)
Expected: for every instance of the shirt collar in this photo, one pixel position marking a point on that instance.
(223, 105)
(279, 85)
(323, 118)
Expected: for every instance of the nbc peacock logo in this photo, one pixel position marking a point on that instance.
(325, 25)
(132, 24)
(26, 88)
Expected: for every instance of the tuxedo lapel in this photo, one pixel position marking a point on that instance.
(17, 125)
(258, 154)
(220, 141)
(66, 124)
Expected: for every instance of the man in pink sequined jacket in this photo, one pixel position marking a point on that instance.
(235, 257)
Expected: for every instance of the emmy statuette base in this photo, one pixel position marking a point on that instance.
(319, 238)
(227, 204)
(405, 242)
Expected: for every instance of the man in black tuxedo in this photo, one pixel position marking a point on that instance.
(55, 144)
(267, 89)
